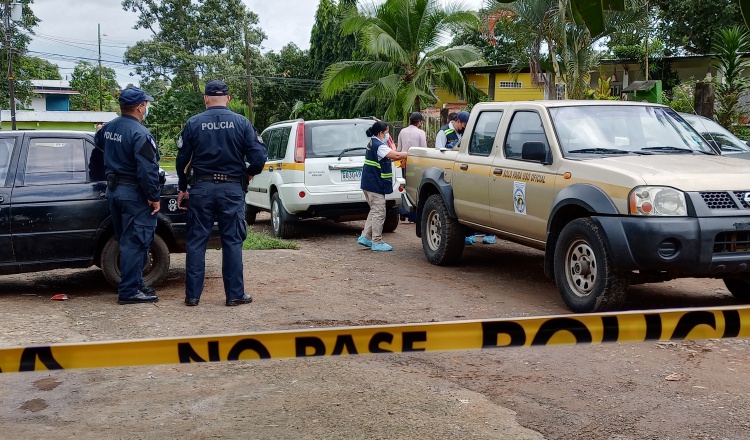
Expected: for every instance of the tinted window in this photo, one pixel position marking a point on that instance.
(96, 163)
(484, 133)
(524, 127)
(271, 138)
(51, 161)
(285, 132)
(331, 139)
(6, 153)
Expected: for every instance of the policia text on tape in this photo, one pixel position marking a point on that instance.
(724, 322)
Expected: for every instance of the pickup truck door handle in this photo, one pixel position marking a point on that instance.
(464, 167)
(497, 171)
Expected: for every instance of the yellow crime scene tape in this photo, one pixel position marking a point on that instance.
(678, 324)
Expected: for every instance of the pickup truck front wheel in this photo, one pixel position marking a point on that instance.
(442, 235)
(739, 286)
(585, 275)
(156, 266)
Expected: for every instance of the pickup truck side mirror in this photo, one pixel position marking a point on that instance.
(534, 151)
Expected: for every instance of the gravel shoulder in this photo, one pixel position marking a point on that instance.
(666, 390)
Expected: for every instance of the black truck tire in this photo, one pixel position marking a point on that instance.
(281, 228)
(442, 235)
(739, 286)
(250, 213)
(585, 276)
(391, 220)
(157, 267)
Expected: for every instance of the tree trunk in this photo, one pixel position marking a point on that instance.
(704, 99)
(417, 104)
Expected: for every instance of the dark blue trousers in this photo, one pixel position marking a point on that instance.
(224, 203)
(134, 232)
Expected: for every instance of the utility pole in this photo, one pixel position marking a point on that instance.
(99, 33)
(646, 45)
(247, 74)
(9, 49)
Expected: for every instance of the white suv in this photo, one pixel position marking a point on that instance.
(314, 169)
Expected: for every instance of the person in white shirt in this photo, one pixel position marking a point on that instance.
(450, 135)
(413, 135)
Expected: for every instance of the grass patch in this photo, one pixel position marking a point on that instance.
(168, 164)
(262, 242)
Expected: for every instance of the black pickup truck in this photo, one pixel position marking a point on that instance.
(54, 212)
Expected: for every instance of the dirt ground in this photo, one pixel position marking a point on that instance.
(663, 390)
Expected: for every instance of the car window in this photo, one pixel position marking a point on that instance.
(55, 161)
(272, 138)
(711, 131)
(285, 132)
(331, 139)
(484, 133)
(6, 153)
(96, 163)
(526, 126)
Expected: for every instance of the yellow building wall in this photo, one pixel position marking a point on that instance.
(527, 92)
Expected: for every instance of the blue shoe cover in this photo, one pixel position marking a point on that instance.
(364, 241)
(489, 239)
(382, 247)
(468, 241)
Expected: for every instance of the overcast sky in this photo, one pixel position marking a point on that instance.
(68, 30)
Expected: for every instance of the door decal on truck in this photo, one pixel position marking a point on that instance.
(519, 197)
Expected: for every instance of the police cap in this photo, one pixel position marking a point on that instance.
(134, 95)
(216, 88)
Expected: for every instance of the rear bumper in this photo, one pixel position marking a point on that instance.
(690, 246)
(329, 204)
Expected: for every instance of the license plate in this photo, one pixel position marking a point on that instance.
(350, 175)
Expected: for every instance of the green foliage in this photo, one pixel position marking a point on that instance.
(261, 242)
(507, 45)
(85, 80)
(730, 46)
(169, 114)
(36, 68)
(20, 37)
(403, 39)
(189, 37)
(682, 97)
(692, 25)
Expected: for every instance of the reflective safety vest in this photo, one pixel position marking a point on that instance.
(377, 175)
(451, 137)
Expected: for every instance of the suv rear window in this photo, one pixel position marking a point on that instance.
(329, 140)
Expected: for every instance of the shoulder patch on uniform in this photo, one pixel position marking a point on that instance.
(179, 142)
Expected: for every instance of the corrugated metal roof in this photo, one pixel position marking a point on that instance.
(51, 83)
(640, 85)
(32, 116)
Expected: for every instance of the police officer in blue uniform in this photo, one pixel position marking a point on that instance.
(221, 149)
(133, 190)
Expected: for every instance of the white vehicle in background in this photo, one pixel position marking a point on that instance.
(313, 170)
(718, 136)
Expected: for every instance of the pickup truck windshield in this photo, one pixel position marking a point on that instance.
(622, 130)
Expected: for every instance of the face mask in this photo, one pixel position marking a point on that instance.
(387, 136)
(146, 114)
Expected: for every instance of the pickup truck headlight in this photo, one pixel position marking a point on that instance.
(657, 201)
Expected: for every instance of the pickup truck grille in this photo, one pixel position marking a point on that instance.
(731, 242)
(741, 197)
(720, 200)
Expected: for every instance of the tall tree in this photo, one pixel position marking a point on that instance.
(37, 68)
(21, 32)
(692, 25)
(85, 80)
(189, 37)
(405, 42)
(326, 32)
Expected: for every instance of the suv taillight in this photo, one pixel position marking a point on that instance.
(299, 144)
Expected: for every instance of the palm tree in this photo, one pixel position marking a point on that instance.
(570, 45)
(404, 39)
(729, 63)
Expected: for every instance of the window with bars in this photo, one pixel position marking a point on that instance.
(509, 85)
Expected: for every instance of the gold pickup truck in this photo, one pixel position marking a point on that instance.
(614, 193)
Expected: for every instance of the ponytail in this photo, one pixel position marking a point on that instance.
(377, 127)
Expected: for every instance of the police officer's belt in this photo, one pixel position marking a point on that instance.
(126, 181)
(216, 178)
